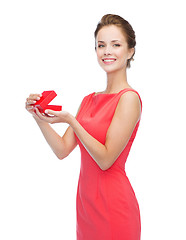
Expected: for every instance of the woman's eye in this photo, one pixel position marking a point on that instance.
(116, 45)
(100, 45)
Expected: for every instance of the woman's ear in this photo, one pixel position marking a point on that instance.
(131, 52)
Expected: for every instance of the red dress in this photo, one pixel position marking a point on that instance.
(107, 208)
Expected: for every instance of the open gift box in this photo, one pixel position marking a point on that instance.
(47, 97)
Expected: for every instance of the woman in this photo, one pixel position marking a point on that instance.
(104, 128)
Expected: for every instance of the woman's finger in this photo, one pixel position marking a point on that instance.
(44, 117)
(32, 99)
(51, 112)
(35, 96)
(29, 101)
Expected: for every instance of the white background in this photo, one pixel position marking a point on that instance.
(49, 45)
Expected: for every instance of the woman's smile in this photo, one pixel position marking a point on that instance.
(108, 61)
(112, 49)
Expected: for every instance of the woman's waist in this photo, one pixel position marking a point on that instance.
(106, 185)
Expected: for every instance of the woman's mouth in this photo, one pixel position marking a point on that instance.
(108, 60)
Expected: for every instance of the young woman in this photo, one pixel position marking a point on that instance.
(104, 128)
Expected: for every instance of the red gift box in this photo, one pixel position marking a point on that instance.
(47, 97)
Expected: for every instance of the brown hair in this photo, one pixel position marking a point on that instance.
(111, 19)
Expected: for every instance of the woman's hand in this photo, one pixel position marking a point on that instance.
(54, 116)
(61, 146)
(49, 116)
(30, 101)
(29, 105)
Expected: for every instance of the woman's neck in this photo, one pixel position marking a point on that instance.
(116, 82)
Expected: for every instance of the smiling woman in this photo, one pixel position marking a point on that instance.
(104, 128)
(126, 29)
(111, 51)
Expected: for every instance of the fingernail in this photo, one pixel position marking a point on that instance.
(46, 111)
(38, 98)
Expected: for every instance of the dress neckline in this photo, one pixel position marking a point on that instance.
(109, 94)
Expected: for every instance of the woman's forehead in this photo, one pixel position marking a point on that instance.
(110, 33)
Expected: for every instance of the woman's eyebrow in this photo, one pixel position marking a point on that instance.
(116, 40)
(100, 41)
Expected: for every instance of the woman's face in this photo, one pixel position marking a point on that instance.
(112, 49)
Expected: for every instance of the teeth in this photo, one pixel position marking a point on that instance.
(108, 60)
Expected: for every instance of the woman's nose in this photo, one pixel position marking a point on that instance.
(107, 50)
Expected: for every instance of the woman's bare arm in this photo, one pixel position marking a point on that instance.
(61, 146)
(124, 121)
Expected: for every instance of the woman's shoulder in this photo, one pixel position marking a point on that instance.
(87, 96)
(130, 97)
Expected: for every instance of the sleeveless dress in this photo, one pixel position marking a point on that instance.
(107, 208)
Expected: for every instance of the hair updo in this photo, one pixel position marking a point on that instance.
(111, 19)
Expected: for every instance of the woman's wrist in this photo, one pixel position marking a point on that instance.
(70, 119)
(39, 121)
